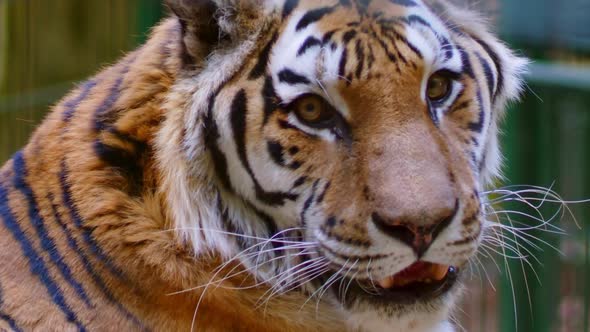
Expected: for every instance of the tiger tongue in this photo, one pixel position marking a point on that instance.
(417, 272)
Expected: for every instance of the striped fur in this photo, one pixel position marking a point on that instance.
(166, 172)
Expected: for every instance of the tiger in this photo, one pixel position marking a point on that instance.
(263, 165)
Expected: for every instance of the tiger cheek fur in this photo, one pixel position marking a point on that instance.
(262, 166)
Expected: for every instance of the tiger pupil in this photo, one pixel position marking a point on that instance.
(438, 87)
(310, 110)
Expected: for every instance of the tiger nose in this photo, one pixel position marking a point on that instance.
(416, 234)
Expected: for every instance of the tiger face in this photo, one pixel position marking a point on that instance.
(339, 148)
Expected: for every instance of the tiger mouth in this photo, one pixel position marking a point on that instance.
(417, 274)
(420, 282)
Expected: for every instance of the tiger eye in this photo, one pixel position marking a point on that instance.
(438, 87)
(311, 109)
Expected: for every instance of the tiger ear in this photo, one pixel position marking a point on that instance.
(210, 24)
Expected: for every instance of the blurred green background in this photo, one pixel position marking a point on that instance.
(46, 46)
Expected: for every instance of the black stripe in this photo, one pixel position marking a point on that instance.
(36, 263)
(38, 223)
(393, 39)
(478, 126)
(276, 151)
(286, 125)
(211, 138)
(323, 194)
(11, 322)
(290, 77)
(6, 317)
(295, 165)
(497, 63)
(76, 248)
(348, 36)
(370, 57)
(127, 162)
(100, 121)
(269, 224)
(101, 115)
(398, 36)
(488, 73)
(308, 202)
(260, 67)
(411, 20)
(271, 100)
(232, 227)
(307, 44)
(71, 105)
(360, 55)
(74, 214)
(290, 5)
(313, 16)
(300, 181)
(342, 65)
(406, 3)
(446, 46)
(419, 19)
(474, 160)
(461, 106)
(238, 122)
(383, 45)
(328, 36)
(467, 66)
(432, 113)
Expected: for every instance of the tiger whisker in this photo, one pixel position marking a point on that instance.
(485, 253)
(350, 282)
(221, 267)
(273, 239)
(340, 289)
(499, 244)
(261, 283)
(307, 274)
(524, 236)
(325, 289)
(308, 277)
(503, 239)
(501, 235)
(547, 192)
(285, 275)
(369, 274)
(334, 275)
(226, 277)
(485, 271)
(523, 214)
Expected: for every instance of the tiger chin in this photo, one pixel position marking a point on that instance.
(262, 165)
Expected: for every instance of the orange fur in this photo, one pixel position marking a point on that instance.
(130, 224)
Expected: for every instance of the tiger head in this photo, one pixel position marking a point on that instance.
(338, 148)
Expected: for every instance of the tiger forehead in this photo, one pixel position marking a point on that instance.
(335, 14)
(360, 8)
(403, 32)
(326, 46)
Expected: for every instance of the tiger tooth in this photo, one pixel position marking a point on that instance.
(439, 272)
(387, 283)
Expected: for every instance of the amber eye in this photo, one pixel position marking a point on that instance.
(313, 110)
(439, 86)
